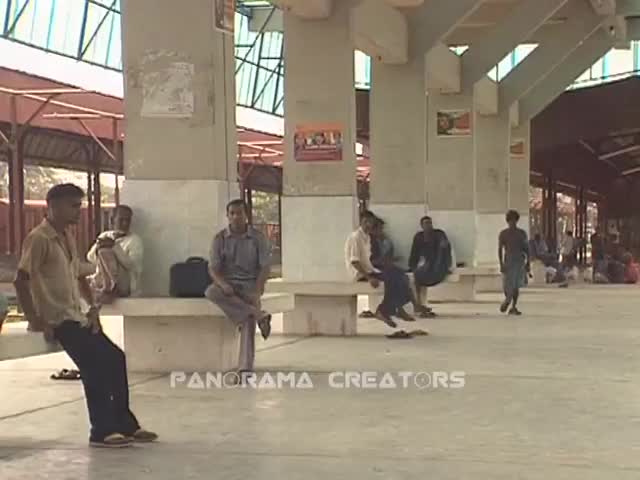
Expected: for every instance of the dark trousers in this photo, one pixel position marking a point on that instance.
(103, 369)
(397, 290)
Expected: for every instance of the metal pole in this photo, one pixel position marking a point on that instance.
(117, 156)
(90, 225)
(97, 202)
(16, 182)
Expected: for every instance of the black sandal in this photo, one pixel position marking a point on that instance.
(66, 374)
(399, 334)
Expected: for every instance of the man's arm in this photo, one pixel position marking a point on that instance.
(500, 251)
(31, 259)
(215, 266)
(413, 256)
(264, 260)
(132, 257)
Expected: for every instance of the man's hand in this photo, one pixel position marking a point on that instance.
(374, 282)
(227, 289)
(93, 317)
(35, 323)
(106, 242)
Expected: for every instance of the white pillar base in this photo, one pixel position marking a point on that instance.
(463, 290)
(488, 228)
(489, 284)
(330, 316)
(176, 219)
(460, 227)
(184, 344)
(314, 232)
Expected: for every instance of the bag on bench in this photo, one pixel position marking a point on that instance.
(189, 279)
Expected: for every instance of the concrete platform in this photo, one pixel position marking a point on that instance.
(550, 395)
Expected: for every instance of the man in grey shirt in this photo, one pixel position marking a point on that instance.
(239, 265)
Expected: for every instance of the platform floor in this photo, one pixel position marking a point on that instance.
(552, 395)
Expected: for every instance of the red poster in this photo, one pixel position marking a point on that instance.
(318, 143)
(224, 13)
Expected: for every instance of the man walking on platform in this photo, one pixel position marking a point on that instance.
(513, 252)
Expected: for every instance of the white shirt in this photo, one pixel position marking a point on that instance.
(358, 249)
(129, 252)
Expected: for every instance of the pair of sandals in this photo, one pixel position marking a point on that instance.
(401, 334)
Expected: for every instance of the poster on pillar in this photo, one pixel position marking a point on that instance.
(318, 143)
(168, 92)
(454, 123)
(224, 15)
(517, 149)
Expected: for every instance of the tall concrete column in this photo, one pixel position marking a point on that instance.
(398, 149)
(180, 146)
(520, 172)
(319, 202)
(491, 155)
(450, 175)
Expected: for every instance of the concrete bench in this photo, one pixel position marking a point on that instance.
(330, 308)
(17, 342)
(182, 334)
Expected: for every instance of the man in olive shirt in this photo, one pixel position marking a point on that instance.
(239, 265)
(49, 286)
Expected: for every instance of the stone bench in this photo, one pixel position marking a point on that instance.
(17, 342)
(182, 334)
(330, 308)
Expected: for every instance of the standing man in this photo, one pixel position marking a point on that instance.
(240, 264)
(49, 286)
(118, 257)
(513, 252)
(397, 290)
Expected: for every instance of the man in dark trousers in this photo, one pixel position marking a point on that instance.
(513, 252)
(430, 258)
(49, 286)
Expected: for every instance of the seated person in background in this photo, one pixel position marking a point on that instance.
(381, 252)
(569, 251)
(397, 290)
(540, 251)
(430, 259)
(239, 266)
(117, 256)
(630, 270)
(4, 309)
(381, 245)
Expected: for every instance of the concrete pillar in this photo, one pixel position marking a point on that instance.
(491, 155)
(519, 172)
(319, 202)
(449, 170)
(180, 132)
(398, 149)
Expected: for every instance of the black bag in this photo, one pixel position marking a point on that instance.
(189, 279)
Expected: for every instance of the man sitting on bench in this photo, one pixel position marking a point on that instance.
(397, 290)
(240, 265)
(118, 258)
